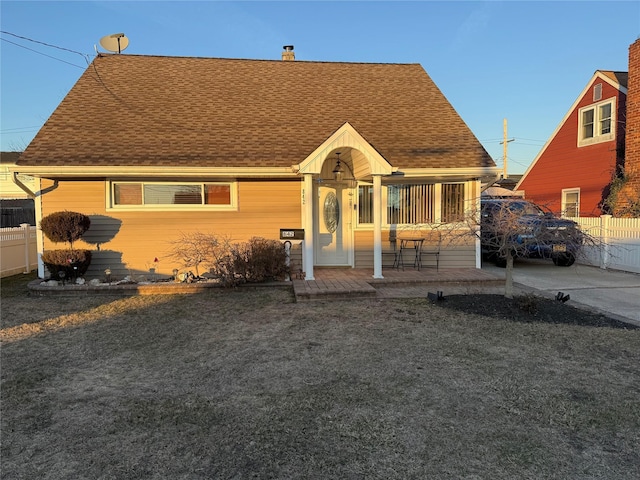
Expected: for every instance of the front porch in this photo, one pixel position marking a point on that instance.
(344, 283)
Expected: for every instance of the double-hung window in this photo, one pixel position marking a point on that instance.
(596, 123)
(571, 202)
(172, 196)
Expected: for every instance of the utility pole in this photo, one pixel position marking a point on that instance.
(504, 149)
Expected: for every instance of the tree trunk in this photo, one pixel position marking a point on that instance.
(508, 285)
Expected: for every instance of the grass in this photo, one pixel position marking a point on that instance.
(249, 384)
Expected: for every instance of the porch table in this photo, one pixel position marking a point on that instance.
(411, 245)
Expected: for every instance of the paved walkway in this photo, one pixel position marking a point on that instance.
(359, 283)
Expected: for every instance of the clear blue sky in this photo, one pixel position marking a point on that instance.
(524, 61)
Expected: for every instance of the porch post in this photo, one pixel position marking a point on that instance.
(307, 200)
(377, 226)
(37, 201)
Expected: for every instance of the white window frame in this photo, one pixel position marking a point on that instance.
(111, 206)
(565, 192)
(598, 136)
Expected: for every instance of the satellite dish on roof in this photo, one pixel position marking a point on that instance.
(114, 43)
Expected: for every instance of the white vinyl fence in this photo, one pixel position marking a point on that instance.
(18, 250)
(619, 240)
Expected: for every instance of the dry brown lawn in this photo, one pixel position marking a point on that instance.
(248, 384)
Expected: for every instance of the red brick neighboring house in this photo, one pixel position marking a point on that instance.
(572, 173)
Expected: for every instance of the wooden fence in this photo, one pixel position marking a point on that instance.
(18, 250)
(619, 242)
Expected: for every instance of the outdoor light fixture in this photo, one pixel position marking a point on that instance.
(338, 172)
(107, 273)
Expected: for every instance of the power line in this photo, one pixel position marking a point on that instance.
(40, 53)
(83, 55)
(19, 128)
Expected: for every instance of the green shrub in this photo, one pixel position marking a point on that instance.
(74, 263)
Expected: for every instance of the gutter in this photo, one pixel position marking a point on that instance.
(174, 172)
(491, 183)
(27, 190)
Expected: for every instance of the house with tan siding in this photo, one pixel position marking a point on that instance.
(152, 148)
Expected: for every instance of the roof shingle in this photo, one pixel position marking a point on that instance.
(131, 110)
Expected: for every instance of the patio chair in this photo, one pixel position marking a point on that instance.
(392, 250)
(431, 246)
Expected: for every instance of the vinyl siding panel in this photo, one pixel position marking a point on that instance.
(453, 254)
(128, 242)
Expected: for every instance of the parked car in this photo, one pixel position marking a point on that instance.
(526, 230)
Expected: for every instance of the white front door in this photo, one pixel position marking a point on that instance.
(333, 217)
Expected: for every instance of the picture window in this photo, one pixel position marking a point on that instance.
(172, 196)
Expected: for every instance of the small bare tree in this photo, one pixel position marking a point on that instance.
(195, 249)
(513, 228)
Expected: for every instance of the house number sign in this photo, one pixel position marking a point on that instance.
(331, 212)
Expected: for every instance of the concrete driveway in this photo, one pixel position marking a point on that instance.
(612, 292)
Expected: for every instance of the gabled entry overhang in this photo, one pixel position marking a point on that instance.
(345, 136)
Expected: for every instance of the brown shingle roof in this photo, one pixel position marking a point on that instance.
(170, 111)
(9, 157)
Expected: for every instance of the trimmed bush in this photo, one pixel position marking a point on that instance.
(65, 226)
(232, 264)
(74, 263)
(257, 260)
(266, 260)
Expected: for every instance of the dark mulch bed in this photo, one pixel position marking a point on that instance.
(529, 308)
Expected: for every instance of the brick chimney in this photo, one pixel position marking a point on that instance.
(630, 193)
(288, 55)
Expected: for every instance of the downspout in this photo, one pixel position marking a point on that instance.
(39, 193)
(22, 186)
(38, 207)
